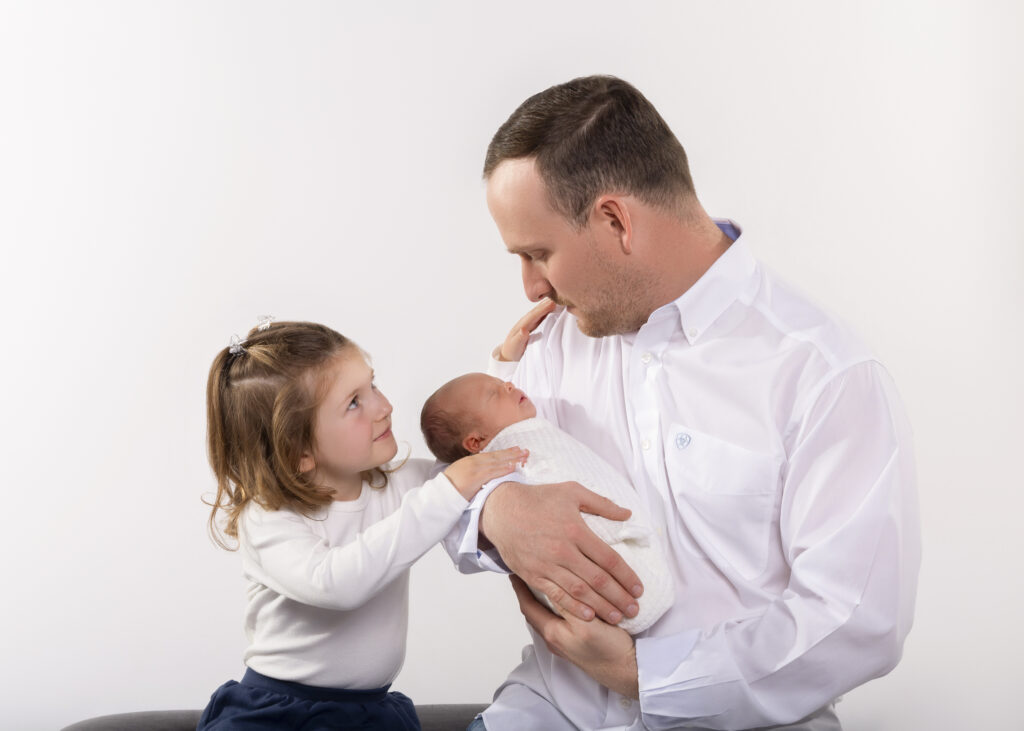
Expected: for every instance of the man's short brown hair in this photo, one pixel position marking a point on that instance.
(594, 135)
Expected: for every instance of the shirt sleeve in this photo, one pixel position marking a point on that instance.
(282, 552)
(849, 528)
(463, 542)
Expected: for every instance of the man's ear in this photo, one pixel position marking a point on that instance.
(474, 442)
(612, 218)
(306, 463)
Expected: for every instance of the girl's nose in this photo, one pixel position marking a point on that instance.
(384, 407)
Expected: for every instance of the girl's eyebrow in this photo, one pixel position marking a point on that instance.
(357, 389)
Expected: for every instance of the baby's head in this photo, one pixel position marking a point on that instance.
(462, 416)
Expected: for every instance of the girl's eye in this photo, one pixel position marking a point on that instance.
(353, 404)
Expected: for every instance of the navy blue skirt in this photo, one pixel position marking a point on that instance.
(262, 703)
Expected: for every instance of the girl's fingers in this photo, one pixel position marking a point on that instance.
(535, 316)
(515, 344)
(513, 455)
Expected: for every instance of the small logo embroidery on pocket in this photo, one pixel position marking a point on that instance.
(682, 440)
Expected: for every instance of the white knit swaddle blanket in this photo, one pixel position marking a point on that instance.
(557, 457)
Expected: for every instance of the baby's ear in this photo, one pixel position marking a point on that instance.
(474, 442)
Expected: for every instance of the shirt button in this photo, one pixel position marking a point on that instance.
(693, 332)
(645, 358)
(625, 702)
(645, 444)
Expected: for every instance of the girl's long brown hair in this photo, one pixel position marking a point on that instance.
(260, 405)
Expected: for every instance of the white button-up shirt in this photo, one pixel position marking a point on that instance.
(773, 454)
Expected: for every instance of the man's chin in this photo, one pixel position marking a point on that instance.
(594, 329)
(602, 327)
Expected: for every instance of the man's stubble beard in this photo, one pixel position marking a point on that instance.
(617, 308)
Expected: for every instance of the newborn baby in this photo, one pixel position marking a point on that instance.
(477, 412)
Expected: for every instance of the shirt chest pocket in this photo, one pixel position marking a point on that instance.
(725, 496)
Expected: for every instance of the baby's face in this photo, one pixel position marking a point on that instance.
(491, 404)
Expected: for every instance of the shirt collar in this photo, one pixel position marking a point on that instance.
(733, 276)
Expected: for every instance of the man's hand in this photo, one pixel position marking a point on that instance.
(541, 536)
(605, 653)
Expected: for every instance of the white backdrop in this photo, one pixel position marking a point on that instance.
(171, 170)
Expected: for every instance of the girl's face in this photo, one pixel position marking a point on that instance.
(352, 428)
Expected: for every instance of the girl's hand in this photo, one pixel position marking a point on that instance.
(470, 473)
(515, 343)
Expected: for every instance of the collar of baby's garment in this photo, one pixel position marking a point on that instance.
(507, 437)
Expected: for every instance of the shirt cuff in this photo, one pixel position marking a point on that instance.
(468, 555)
(657, 660)
(503, 369)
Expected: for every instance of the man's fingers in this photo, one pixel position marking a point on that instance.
(583, 607)
(611, 576)
(597, 505)
(593, 585)
(537, 615)
(603, 556)
(575, 595)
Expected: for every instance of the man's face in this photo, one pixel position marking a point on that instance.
(583, 270)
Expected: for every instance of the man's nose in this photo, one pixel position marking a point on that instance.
(534, 284)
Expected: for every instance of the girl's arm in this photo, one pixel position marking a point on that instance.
(282, 552)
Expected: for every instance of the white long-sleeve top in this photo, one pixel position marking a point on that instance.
(772, 449)
(328, 595)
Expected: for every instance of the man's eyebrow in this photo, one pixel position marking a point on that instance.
(518, 250)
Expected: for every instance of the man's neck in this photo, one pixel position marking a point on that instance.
(684, 253)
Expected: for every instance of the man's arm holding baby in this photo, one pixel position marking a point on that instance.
(540, 535)
(604, 652)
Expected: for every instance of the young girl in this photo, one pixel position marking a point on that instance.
(299, 439)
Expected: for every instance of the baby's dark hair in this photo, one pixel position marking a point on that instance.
(443, 429)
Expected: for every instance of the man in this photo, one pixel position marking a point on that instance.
(768, 444)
